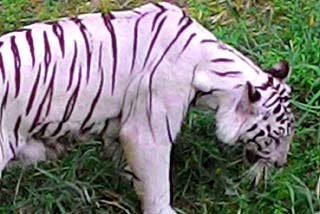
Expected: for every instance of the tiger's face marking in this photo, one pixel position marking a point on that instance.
(268, 140)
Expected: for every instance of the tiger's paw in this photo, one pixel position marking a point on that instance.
(32, 153)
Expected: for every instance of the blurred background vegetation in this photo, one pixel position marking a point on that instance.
(207, 176)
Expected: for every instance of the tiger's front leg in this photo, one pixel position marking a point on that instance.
(150, 164)
(147, 144)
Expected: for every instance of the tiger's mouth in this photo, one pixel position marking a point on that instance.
(261, 164)
(251, 156)
(272, 158)
(254, 156)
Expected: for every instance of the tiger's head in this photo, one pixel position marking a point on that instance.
(257, 113)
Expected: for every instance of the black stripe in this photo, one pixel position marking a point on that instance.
(169, 130)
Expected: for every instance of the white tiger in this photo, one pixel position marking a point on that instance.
(134, 74)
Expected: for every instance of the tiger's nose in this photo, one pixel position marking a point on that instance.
(280, 164)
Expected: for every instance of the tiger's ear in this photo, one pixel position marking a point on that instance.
(249, 96)
(280, 70)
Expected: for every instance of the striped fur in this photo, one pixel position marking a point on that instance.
(134, 74)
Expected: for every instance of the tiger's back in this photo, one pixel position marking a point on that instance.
(70, 76)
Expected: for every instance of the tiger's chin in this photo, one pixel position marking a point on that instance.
(258, 171)
(260, 164)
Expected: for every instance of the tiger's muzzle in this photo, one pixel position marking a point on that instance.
(253, 157)
(277, 156)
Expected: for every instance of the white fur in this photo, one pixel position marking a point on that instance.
(147, 116)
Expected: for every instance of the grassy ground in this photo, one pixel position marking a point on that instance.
(207, 177)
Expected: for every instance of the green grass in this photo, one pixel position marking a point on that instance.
(207, 177)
